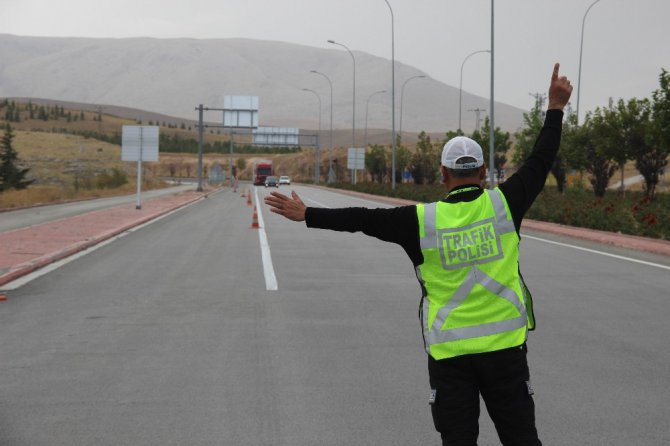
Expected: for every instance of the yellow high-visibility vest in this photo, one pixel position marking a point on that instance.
(474, 299)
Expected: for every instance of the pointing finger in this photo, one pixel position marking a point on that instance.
(555, 73)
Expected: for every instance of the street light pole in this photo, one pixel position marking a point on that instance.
(367, 104)
(330, 136)
(317, 158)
(353, 104)
(393, 144)
(460, 87)
(492, 100)
(402, 95)
(581, 47)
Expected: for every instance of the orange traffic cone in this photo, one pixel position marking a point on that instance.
(254, 221)
(249, 198)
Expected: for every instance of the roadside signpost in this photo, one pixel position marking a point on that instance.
(139, 143)
(355, 161)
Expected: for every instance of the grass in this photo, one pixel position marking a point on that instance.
(59, 163)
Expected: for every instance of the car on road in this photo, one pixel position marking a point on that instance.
(285, 179)
(271, 181)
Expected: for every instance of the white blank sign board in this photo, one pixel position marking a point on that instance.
(286, 136)
(139, 138)
(240, 111)
(355, 159)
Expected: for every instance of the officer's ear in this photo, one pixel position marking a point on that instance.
(482, 172)
(445, 174)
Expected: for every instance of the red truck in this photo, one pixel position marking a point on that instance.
(262, 169)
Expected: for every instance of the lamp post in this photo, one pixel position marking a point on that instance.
(581, 47)
(317, 158)
(353, 104)
(491, 105)
(330, 135)
(402, 95)
(367, 104)
(460, 87)
(393, 148)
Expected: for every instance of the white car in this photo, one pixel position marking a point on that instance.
(285, 179)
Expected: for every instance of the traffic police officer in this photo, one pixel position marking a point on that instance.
(475, 308)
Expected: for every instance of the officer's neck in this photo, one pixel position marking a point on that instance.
(452, 182)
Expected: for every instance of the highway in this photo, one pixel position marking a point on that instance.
(174, 335)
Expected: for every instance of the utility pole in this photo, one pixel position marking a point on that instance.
(478, 112)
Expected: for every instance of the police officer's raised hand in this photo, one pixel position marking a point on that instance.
(292, 208)
(559, 90)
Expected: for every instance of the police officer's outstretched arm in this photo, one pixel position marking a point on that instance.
(559, 90)
(292, 208)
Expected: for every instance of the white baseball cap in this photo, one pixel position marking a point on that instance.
(462, 147)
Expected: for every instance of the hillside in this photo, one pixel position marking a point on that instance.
(68, 146)
(172, 76)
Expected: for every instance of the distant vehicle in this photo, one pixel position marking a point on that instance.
(261, 170)
(271, 181)
(285, 179)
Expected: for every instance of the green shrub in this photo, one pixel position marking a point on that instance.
(111, 180)
(630, 214)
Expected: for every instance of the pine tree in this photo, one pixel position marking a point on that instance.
(11, 177)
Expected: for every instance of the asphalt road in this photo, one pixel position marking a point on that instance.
(169, 336)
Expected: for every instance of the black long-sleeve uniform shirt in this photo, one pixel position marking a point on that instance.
(400, 224)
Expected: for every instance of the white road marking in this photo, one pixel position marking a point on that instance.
(317, 203)
(593, 251)
(268, 269)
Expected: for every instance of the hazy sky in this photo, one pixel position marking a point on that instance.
(625, 41)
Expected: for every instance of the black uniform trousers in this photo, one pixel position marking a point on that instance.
(502, 378)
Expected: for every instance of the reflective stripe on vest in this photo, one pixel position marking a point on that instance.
(473, 251)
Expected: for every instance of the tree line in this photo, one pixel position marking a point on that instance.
(635, 130)
(13, 112)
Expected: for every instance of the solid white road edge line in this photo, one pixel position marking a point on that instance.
(317, 203)
(268, 269)
(593, 251)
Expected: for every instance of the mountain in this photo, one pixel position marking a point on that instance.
(173, 76)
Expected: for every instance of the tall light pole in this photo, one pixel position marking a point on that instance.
(330, 136)
(353, 103)
(317, 158)
(581, 47)
(460, 87)
(492, 100)
(402, 94)
(392, 98)
(367, 104)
